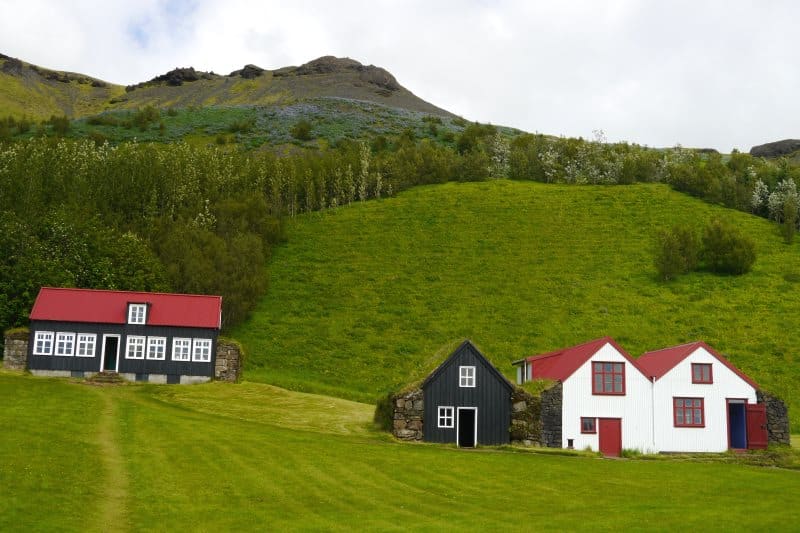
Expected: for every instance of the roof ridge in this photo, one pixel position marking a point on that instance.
(120, 291)
(685, 344)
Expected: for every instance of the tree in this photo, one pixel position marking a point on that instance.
(726, 250)
(789, 224)
(677, 252)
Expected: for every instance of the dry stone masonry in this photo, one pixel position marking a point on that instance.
(526, 423)
(551, 416)
(15, 352)
(229, 361)
(777, 418)
(407, 415)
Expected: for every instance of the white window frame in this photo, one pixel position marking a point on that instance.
(197, 346)
(446, 416)
(137, 313)
(68, 342)
(181, 349)
(84, 343)
(138, 343)
(466, 376)
(47, 340)
(153, 343)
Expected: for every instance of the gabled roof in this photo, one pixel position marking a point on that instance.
(561, 364)
(658, 362)
(467, 344)
(111, 307)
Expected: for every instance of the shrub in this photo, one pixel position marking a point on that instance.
(789, 224)
(60, 124)
(301, 131)
(384, 411)
(726, 250)
(677, 252)
(245, 125)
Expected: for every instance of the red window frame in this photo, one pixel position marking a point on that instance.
(696, 415)
(586, 421)
(605, 374)
(702, 375)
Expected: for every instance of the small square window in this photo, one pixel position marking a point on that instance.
(137, 313)
(588, 425)
(181, 349)
(201, 352)
(466, 376)
(65, 343)
(156, 347)
(446, 417)
(86, 344)
(608, 378)
(701, 373)
(135, 347)
(43, 343)
(688, 412)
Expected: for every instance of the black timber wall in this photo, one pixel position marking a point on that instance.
(491, 395)
(139, 366)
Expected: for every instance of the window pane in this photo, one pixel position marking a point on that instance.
(608, 367)
(598, 382)
(598, 367)
(618, 368)
(608, 382)
(698, 418)
(618, 387)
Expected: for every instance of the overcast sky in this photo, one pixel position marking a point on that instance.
(718, 74)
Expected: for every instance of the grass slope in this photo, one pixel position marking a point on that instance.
(369, 296)
(141, 458)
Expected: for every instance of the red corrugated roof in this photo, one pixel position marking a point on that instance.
(111, 307)
(659, 362)
(561, 364)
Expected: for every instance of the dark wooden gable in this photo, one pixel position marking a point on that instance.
(491, 396)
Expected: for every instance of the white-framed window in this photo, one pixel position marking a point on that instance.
(466, 376)
(135, 347)
(156, 347)
(201, 351)
(137, 313)
(86, 344)
(181, 349)
(65, 343)
(43, 343)
(446, 417)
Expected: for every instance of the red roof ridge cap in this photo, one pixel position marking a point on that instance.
(120, 291)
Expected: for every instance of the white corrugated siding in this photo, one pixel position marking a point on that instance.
(678, 383)
(634, 408)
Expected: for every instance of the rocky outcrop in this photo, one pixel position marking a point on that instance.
(175, 78)
(248, 72)
(526, 422)
(329, 65)
(777, 418)
(776, 149)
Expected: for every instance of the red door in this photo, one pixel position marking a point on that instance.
(756, 426)
(610, 434)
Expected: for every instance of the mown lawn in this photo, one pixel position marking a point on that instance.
(369, 296)
(140, 458)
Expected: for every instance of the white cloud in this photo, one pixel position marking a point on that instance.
(718, 74)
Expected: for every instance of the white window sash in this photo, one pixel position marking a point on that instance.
(134, 348)
(156, 348)
(445, 417)
(137, 314)
(181, 349)
(64, 344)
(85, 342)
(466, 376)
(46, 339)
(201, 350)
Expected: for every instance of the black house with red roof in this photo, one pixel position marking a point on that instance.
(144, 336)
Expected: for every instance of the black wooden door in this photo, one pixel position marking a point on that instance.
(466, 428)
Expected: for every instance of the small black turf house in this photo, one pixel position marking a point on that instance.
(467, 400)
(165, 338)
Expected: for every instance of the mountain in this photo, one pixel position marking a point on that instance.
(776, 149)
(36, 92)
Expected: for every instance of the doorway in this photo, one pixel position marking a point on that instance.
(610, 436)
(737, 425)
(467, 427)
(110, 356)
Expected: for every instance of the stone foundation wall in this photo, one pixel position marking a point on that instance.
(407, 415)
(551, 416)
(526, 422)
(777, 418)
(15, 350)
(228, 366)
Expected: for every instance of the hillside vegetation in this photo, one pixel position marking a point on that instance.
(149, 457)
(367, 297)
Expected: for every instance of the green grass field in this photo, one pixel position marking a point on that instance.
(242, 457)
(367, 297)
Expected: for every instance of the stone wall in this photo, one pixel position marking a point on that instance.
(15, 350)
(777, 418)
(526, 422)
(228, 366)
(551, 416)
(407, 415)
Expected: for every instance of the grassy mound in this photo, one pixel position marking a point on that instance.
(365, 298)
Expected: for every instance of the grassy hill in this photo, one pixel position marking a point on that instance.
(38, 93)
(367, 297)
(224, 457)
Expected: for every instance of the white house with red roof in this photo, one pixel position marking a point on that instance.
(606, 398)
(701, 402)
(686, 398)
(144, 336)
